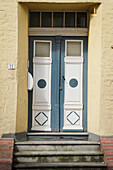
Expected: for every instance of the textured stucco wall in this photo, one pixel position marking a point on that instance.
(8, 55)
(94, 71)
(106, 100)
(100, 77)
(13, 83)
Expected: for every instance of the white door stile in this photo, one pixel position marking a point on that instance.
(73, 102)
(41, 107)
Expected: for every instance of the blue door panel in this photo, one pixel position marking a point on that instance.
(55, 85)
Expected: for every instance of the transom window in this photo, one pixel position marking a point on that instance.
(58, 19)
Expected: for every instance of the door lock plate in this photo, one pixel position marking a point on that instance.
(60, 88)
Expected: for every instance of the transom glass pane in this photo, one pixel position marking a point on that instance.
(46, 19)
(73, 48)
(70, 19)
(58, 19)
(34, 19)
(42, 49)
(82, 19)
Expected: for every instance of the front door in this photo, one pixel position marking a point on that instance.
(58, 101)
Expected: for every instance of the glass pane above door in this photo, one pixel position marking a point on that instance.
(82, 19)
(73, 48)
(70, 19)
(34, 19)
(42, 49)
(46, 20)
(58, 19)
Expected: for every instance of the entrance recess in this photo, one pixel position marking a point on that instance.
(58, 101)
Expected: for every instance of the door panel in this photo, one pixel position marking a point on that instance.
(41, 107)
(73, 103)
(58, 101)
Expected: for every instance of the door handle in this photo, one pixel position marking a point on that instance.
(63, 77)
(29, 81)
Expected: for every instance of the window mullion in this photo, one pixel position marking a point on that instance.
(52, 19)
(40, 19)
(64, 20)
(75, 19)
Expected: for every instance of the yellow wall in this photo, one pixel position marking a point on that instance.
(13, 83)
(8, 55)
(22, 64)
(100, 74)
(106, 104)
(14, 50)
(94, 71)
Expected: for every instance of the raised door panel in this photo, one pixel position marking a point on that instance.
(73, 103)
(41, 107)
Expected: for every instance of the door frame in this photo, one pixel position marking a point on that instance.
(85, 67)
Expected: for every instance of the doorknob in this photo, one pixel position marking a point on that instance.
(63, 77)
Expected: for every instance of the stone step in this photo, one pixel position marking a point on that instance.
(58, 155)
(61, 156)
(57, 136)
(61, 166)
(57, 146)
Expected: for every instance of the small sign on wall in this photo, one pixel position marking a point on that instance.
(11, 67)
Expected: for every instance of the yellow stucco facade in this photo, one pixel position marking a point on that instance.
(8, 54)
(14, 50)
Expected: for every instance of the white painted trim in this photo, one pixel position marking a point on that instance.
(58, 31)
(41, 107)
(42, 60)
(68, 106)
(73, 60)
(70, 128)
(41, 128)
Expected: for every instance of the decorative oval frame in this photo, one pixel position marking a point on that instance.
(41, 83)
(73, 82)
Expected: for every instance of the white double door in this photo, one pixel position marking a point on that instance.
(57, 103)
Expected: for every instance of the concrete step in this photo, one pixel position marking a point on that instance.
(61, 166)
(57, 136)
(58, 156)
(57, 146)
